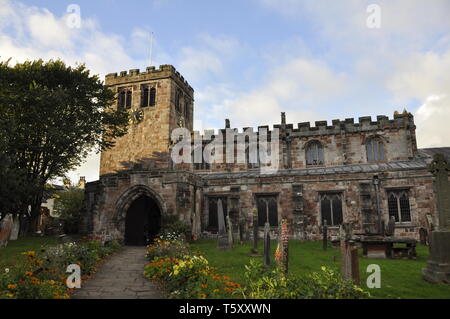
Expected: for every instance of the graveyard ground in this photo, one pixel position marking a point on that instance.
(399, 278)
(11, 255)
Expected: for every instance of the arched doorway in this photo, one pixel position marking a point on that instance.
(142, 221)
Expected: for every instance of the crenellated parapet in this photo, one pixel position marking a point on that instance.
(364, 125)
(151, 73)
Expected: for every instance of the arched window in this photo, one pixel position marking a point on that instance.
(125, 95)
(314, 153)
(152, 97)
(331, 209)
(398, 205)
(375, 150)
(178, 98)
(144, 95)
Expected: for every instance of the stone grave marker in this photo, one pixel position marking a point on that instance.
(325, 235)
(222, 237)
(349, 254)
(267, 245)
(6, 225)
(390, 229)
(15, 229)
(230, 231)
(438, 266)
(255, 233)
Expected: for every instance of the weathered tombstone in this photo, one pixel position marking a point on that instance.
(15, 229)
(284, 245)
(390, 229)
(325, 235)
(6, 225)
(230, 231)
(349, 254)
(438, 267)
(267, 245)
(222, 237)
(255, 233)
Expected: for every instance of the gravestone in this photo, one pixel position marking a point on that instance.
(349, 254)
(284, 245)
(267, 245)
(390, 229)
(255, 233)
(15, 229)
(230, 231)
(325, 235)
(438, 267)
(222, 237)
(6, 225)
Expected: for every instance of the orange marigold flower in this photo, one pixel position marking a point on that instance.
(29, 273)
(204, 286)
(202, 295)
(12, 286)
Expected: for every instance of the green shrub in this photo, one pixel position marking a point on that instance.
(274, 284)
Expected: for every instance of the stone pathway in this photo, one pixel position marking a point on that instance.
(121, 277)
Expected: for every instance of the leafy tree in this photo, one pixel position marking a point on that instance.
(53, 116)
(68, 207)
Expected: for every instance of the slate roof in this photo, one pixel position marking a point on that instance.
(420, 162)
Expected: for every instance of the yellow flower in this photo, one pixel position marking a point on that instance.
(202, 295)
(10, 295)
(12, 286)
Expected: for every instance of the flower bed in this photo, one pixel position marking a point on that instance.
(186, 274)
(43, 275)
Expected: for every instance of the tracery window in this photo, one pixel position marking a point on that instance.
(314, 153)
(399, 207)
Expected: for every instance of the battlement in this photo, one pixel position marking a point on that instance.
(151, 73)
(304, 129)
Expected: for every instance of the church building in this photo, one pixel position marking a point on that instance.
(363, 172)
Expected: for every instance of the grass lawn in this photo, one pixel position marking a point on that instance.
(399, 278)
(11, 254)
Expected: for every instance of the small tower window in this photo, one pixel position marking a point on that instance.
(178, 97)
(144, 95)
(314, 153)
(152, 97)
(375, 150)
(125, 96)
(148, 96)
(128, 102)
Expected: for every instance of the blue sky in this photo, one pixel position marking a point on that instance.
(249, 60)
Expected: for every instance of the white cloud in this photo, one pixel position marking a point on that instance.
(432, 122)
(298, 88)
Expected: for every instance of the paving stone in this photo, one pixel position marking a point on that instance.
(121, 278)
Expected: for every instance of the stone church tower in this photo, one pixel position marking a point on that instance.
(158, 100)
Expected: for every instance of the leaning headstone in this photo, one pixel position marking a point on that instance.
(325, 235)
(222, 237)
(15, 229)
(438, 267)
(349, 254)
(255, 233)
(230, 231)
(267, 245)
(6, 225)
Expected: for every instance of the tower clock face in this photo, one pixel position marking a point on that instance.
(136, 116)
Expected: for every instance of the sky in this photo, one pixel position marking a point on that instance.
(250, 60)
